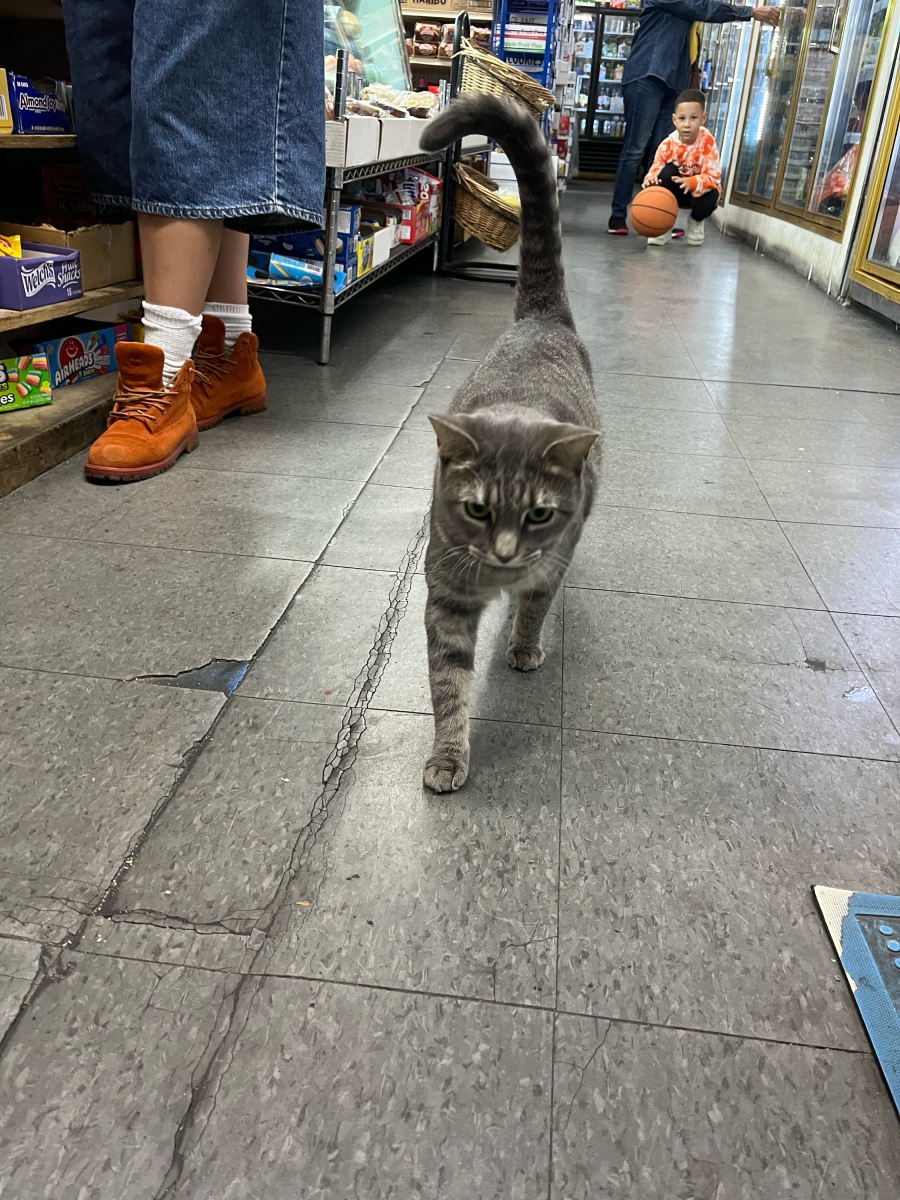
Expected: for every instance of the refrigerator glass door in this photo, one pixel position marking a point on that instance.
(809, 107)
(860, 42)
(884, 246)
(783, 70)
(755, 120)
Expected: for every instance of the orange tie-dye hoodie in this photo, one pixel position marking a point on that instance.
(699, 162)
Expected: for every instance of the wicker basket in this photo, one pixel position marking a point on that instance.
(477, 209)
(482, 72)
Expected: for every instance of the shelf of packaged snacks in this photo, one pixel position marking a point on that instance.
(312, 297)
(11, 318)
(32, 440)
(419, 15)
(38, 141)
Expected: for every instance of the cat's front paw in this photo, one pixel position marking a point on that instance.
(524, 656)
(445, 772)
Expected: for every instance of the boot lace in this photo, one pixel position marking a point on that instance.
(138, 404)
(209, 366)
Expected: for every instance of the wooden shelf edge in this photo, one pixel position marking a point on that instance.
(416, 61)
(32, 440)
(11, 318)
(38, 141)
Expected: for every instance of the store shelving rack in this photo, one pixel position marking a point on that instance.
(36, 439)
(438, 67)
(539, 63)
(324, 300)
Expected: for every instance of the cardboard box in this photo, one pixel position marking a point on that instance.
(430, 8)
(24, 382)
(67, 195)
(348, 218)
(352, 142)
(395, 137)
(308, 245)
(43, 275)
(414, 220)
(107, 251)
(382, 244)
(6, 117)
(82, 355)
(365, 256)
(38, 105)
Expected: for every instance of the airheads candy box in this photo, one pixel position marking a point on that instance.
(43, 275)
(82, 355)
(24, 382)
(38, 105)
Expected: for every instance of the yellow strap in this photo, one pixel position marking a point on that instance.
(694, 43)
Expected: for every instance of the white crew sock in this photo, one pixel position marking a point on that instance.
(236, 318)
(174, 331)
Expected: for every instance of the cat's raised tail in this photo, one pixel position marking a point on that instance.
(542, 290)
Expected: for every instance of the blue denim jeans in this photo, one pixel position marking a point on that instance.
(213, 108)
(648, 118)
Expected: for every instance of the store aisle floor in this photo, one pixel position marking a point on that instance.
(244, 954)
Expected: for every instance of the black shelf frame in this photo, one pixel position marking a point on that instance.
(324, 299)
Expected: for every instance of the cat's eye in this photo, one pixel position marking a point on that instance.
(539, 515)
(478, 512)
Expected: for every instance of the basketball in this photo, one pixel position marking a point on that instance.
(653, 211)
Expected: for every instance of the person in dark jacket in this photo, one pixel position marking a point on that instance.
(657, 70)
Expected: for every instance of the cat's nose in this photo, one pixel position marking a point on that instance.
(505, 546)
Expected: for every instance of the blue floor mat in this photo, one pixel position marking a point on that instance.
(865, 929)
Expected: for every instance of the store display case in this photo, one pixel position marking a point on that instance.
(809, 97)
(724, 52)
(876, 259)
(372, 33)
(603, 43)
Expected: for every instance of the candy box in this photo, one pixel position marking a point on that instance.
(107, 251)
(307, 245)
(24, 382)
(43, 275)
(38, 105)
(82, 355)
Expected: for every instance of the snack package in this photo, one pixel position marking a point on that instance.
(480, 38)
(445, 50)
(11, 246)
(426, 49)
(425, 32)
(447, 32)
(38, 105)
(82, 355)
(24, 382)
(293, 272)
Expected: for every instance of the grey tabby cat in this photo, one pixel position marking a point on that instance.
(517, 453)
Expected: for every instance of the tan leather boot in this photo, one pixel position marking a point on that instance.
(149, 425)
(224, 382)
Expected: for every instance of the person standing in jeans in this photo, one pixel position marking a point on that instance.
(208, 121)
(657, 70)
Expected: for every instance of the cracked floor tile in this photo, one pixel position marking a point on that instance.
(84, 765)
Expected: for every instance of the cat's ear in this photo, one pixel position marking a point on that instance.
(569, 445)
(454, 442)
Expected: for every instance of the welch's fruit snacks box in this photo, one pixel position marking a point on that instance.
(24, 382)
(82, 355)
(43, 275)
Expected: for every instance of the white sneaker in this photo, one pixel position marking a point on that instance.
(659, 241)
(696, 232)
